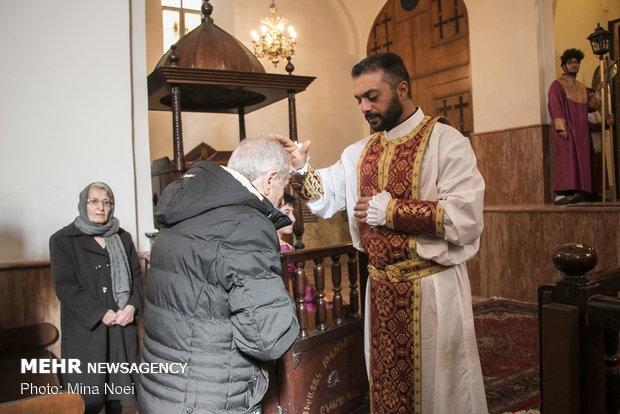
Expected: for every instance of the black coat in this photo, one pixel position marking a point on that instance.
(81, 272)
(215, 298)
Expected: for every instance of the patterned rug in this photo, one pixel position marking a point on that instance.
(507, 333)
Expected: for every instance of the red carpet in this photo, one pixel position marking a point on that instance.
(507, 333)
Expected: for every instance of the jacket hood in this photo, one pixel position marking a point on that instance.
(207, 186)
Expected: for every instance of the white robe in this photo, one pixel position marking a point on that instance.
(451, 375)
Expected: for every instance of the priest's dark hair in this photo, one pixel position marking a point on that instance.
(390, 63)
(569, 54)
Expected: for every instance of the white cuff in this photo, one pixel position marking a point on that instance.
(302, 170)
(376, 215)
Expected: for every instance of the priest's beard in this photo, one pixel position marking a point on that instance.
(388, 119)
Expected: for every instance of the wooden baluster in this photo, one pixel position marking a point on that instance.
(337, 281)
(299, 290)
(353, 293)
(319, 283)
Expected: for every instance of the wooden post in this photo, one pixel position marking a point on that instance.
(177, 130)
(559, 344)
(563, 310)
(298, 227)
(241, 123)
(177, 127)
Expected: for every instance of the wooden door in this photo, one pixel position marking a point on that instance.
(432, 37)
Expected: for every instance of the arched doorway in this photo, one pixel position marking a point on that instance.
(432, 37)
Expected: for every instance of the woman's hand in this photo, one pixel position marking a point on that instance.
(125, 315)
(109, 317)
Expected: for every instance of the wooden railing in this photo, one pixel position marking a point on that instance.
(324, 370)
(297, 283)
(579, 324)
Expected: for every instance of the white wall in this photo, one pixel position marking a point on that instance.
(66, 117)
(508, 75)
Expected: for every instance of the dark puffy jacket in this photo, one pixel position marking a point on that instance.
(215, 299)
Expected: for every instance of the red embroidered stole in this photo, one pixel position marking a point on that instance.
(396, 269)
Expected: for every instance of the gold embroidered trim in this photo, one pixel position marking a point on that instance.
(389, 213)
(391, 148)
(439, 229)
(560, 124)
(406, 271)
(308, 186)
(575, 90)
(417, 346)
(414, 216)
(429, 124)
(414, 132)
(385, 163)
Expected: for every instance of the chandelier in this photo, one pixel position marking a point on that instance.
(275, 41)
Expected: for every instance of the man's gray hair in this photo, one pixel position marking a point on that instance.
(255, 156)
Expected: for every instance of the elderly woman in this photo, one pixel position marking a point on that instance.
(97, 279)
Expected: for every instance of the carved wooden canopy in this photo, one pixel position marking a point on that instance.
(216, 73)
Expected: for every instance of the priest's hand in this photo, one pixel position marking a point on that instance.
(361, 209)
(298, 153)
